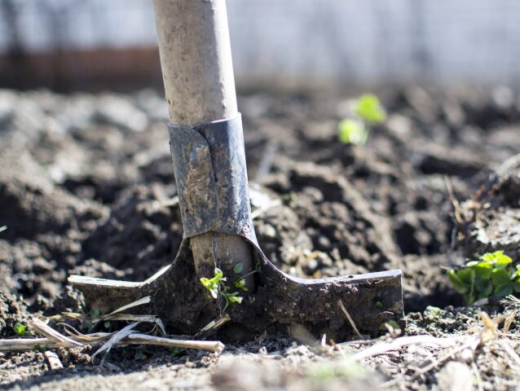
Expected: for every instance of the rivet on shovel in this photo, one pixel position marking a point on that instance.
(211, 177)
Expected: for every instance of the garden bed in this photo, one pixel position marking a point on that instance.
(86, 187)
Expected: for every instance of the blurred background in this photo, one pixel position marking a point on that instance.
(99, 44)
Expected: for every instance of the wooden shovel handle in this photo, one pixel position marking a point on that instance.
(196, 62)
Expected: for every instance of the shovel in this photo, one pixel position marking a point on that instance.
(219, 244)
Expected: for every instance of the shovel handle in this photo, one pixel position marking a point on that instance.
(195, 53)
(197, 69)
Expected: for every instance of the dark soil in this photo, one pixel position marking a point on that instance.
(86, 180)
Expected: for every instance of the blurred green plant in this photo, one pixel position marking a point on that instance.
(19, 329)
(367, 111)
(368, 108)
(352, 131)
(492, 275)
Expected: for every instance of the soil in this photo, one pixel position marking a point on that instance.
(86, 184)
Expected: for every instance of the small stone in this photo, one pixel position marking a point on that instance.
(269, 231)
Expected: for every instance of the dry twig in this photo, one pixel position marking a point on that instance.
(350, 320)
(114, 339)
(41, 328)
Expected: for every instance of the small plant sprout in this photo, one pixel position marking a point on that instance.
(19, 329)
(369, 109)
(217, 285)
(353, 131)
(366, 111)
(213, 284)
(493, 274)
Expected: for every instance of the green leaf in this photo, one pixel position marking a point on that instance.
(95, 313)
(214, 291)
(235, 300)
(503, 290)
(241, 284)
(19, 329)
(516, 286)
(218, 275)
(503, 260)
(472, 263)
(483, 269)
(483, 287)
(492, 256)
(238, 268)
(467, 276)
(369, 109)
(500, 277)
(457, 283)
(210, 285)
(205, 282)
(486, 292)
(352, 132)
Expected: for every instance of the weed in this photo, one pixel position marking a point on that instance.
(217, 285)
(20, 329)
(367, 110)
(493, 274)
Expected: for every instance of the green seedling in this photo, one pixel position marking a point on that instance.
(367, 111)
(352, 131)
(492, 275)
(368, 108)
(20, 329)
(217, 285)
